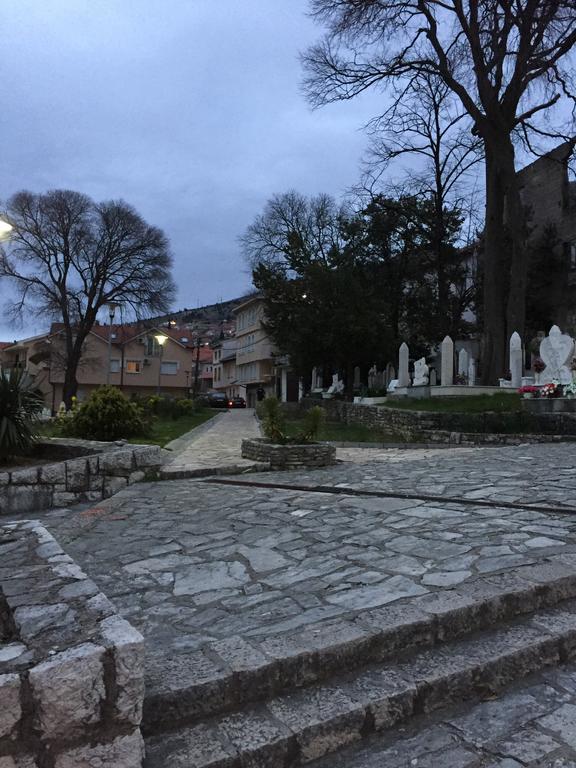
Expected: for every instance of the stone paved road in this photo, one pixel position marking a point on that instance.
(216, 445)
(190, 561)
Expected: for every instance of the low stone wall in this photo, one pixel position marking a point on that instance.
(437, 426)
(289, 456)
(71, 669)
(101, 470)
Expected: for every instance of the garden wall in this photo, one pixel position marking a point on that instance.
(435, 426)
(86, 470)
(288, 456)
(71, 669)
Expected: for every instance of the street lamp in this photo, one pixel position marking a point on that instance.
(112, 307)
(161, 339)
(5, 229)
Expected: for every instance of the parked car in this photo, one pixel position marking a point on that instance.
(236, 402)
(217, 400)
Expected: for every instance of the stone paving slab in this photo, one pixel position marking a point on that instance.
(533, 724)
(524, 474)
(215, 448)
(191, 563)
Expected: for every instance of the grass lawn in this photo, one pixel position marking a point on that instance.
(347, 433)
(163, 431)
(500, 403)
(166, 429)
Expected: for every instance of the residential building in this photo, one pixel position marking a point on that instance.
(139, 365)
(224, 366)
(259, 366)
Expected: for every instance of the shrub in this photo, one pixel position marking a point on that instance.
(314, 420)
(272, 418)
(274, 426)
(185, 407)
(20, 404)
(106, 415)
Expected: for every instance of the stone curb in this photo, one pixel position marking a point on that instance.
(71, 669)
(183, 473)
(226, 674)
(297, 728)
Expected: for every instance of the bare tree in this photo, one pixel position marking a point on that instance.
(68, 257)
(423, 124)
(507, 63)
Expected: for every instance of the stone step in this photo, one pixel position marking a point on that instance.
(298, 727)
(225, 674)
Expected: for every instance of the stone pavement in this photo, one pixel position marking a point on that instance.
(207, 567)
(190, 562)
(533, 724)
(214, 448)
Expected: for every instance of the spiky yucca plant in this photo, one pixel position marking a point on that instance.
(20, 404)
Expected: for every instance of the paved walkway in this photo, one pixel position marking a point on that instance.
(191, 562)
(214, 448)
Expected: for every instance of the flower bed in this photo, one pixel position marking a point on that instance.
(289, 456)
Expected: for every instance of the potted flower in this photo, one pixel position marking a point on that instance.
(461, 379)
(552, 389)
(529, 391)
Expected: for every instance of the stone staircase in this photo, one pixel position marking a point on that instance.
(283, 704)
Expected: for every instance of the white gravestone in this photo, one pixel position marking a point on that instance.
(463, 363)
(516, 359)
(471, 372)
(447, 354)
(433, 377)
(556, 351)
(403, 363)
(421, 372)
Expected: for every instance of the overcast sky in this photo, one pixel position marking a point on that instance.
(191, 110)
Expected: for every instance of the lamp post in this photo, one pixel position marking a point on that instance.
(111, 312)
(5, 229)
(161, 339)
(196, 368)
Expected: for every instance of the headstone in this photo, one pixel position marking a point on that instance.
(447, 355)
(357, 382)
(471, 372)
(403, 363)
(372, 373)
(463, 363)
(390, 374)
(516, 359)
(433, 377)
(556, 351)
(421, 372)
(392, 385)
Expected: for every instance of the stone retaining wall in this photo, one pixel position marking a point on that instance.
(289, 456)
(71, 669)
(98, 470)
(442, 427)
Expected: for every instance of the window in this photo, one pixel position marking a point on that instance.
(133, 366)
(169, 368)
(152, 347)
(114, 366)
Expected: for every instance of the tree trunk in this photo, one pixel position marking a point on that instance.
(70, 386)
(495, 269)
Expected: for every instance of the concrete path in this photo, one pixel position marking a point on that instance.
(215, 447)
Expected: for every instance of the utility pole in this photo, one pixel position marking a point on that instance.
(196, 369)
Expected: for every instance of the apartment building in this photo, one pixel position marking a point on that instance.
(139, 365)
(224, 367)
